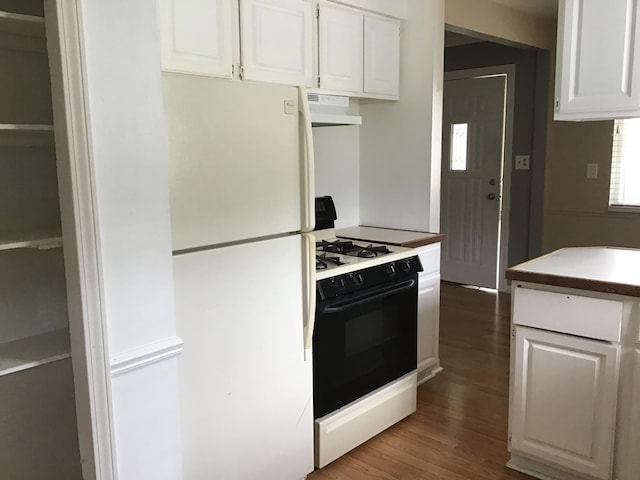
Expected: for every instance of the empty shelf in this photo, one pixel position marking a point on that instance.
(33, 351)
(36, 239)
(15, 134)
(18, 24)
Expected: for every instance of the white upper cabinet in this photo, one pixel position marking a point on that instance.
(598, 62)
(340, 37)
(277, 40)
(343, 51)
(197, 36)
(381, 56)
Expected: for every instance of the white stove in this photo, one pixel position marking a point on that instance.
(339, 256)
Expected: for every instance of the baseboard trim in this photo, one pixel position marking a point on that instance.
(540, 470)
(427, 370)
(144, 356)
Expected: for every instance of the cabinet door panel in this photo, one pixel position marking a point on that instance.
(428, 321)
(564, 401)
(277, 41)
(598, 72)
(196, 36)
(381, 55)
(340, 49)
(632, 463)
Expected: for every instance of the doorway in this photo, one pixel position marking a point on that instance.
(477, 131)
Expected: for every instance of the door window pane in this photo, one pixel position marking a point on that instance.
(458, 160)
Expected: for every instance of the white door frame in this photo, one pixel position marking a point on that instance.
(510, 72)
(78, 205)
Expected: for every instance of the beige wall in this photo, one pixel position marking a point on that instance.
(500, 22)
(576, 208)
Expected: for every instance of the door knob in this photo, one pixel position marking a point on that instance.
(491, 196)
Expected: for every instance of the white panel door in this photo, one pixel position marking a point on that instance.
(245, 390)
(564, 400)
(598, 62)
(196, 36)
(381, 56)
(340, 48)
(277, 41)
(235, 160)
(472, 153)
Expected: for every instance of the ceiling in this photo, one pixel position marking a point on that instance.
(542, 8)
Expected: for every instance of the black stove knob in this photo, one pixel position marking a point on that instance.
(357, 278)
(406, 265)
(340, 283)
(391, 269)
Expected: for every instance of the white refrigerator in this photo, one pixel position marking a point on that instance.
(241, 183)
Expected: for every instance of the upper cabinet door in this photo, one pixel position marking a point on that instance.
(340, 48)
(381, 56)
(276, 41)
(598, 62)
(197, 36)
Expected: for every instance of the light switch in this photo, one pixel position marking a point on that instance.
(290, 107)
(592, 170)
(522, 162)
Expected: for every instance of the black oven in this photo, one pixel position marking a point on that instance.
(365, 332)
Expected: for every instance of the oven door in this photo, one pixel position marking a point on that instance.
(363, 341)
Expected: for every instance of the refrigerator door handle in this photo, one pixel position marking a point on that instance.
(309, 249)
(308, 165)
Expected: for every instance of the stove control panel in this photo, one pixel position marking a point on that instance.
(367, 278)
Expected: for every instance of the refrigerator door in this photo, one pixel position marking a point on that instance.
(239, 167)
(245, 389)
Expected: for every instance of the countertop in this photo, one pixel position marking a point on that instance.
(598, 269)
(390, 236)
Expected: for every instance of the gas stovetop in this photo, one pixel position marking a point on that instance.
(337, 256)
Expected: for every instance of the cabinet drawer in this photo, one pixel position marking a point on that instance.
(574, 314)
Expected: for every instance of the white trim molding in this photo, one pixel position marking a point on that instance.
(146, 355)
(76, 186)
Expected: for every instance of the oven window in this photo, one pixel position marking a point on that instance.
(361, 344)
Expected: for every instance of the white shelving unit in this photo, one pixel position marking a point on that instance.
(36, 377)
(34, 304)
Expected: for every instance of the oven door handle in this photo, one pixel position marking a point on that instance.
(377, 295)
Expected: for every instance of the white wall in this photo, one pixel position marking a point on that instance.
(400, 142)
(129, 161)
(337, 155)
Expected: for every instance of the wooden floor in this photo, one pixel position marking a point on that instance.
(459, 430)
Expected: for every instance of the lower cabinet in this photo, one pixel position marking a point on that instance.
(633, 459)
(429, 312)
(628, 432)
(564, 396)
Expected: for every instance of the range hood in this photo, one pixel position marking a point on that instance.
(328, 110)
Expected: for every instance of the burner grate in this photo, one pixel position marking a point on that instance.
(323, 260)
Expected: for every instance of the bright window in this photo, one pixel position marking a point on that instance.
(458, 160)
(624, 191)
